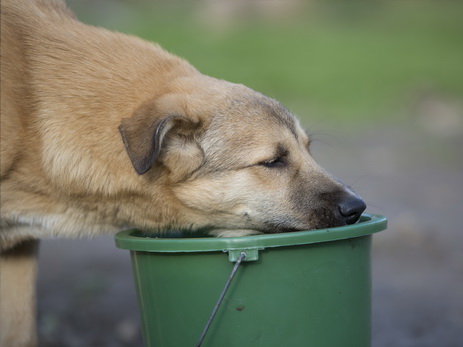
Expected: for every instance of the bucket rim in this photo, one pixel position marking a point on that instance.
(136, 240)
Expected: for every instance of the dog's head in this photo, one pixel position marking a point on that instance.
(237, 163)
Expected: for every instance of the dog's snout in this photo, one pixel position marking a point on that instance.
(351, 208)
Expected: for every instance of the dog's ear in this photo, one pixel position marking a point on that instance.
(144, 137)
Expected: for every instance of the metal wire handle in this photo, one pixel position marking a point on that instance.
(219, 301)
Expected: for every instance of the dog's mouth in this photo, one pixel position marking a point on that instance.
(347, 213)
(322, 221)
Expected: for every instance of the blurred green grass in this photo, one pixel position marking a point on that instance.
(343, 62)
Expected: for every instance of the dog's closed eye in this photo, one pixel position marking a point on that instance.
(278, 162)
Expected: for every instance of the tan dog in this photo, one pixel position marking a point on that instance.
(101, 131)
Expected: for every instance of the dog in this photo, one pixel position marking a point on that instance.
(102, 131)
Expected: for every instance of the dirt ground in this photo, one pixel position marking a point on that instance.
(410, 172)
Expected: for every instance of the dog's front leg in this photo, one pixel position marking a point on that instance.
(18, 268)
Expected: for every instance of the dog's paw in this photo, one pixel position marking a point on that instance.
(233, 232)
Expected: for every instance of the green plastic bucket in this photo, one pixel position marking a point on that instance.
(309, 288)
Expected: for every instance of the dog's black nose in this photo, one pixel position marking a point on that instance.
(351, 208)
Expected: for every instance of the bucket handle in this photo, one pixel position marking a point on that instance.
(243, 255)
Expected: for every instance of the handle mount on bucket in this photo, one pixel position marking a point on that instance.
(241, 257)
(252, 254)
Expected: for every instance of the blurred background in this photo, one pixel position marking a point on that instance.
(379, 85)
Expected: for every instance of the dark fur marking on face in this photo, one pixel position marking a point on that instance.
(325, 212)
(281, 151)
